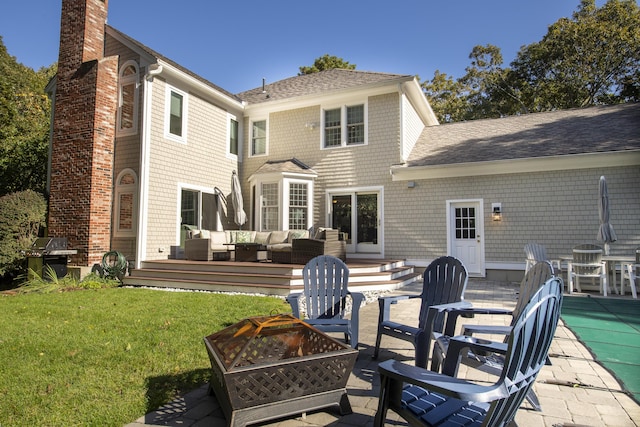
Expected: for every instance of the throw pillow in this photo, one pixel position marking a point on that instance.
(243, 237)
(297, 234)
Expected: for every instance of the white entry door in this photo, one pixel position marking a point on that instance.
(465, 234)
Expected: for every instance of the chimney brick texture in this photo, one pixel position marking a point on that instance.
(83, 133)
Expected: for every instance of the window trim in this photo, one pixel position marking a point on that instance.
(201, 191)
(124, 81)
(230, 155)
(282, 181)
(119, 191)
(266, 142)
(343, 124)
(167, 116)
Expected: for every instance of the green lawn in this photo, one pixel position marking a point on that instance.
(105, 357)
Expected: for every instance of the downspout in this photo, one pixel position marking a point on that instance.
(143, 191)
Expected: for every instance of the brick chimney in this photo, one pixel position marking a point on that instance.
(83, 133)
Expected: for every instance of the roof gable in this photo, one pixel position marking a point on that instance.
(149, 53)
(316, 83)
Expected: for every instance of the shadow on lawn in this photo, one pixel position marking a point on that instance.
(165, 388)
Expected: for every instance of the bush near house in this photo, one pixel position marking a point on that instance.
(21, 216)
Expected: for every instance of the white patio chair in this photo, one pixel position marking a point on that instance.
(631, 273)
(587, 263)
(536, 253)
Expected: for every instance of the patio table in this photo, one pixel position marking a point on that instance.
(611, 261)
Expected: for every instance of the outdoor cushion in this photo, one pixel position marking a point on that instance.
(280, 247)
(204, 234)
(320, 234)
(278, 237)
(262, 237)
(217, 239)
(298, 234)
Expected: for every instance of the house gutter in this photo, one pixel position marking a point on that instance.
(171, 73)
(145, 149)
(515, 166)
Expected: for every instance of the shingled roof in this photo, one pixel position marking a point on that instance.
(315, 83)
(152, 53)
(564, 132)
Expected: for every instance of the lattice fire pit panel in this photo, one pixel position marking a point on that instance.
(273, 366)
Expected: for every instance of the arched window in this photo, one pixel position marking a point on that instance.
(126, 202)
(128, 99)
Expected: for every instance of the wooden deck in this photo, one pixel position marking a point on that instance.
(264, 277)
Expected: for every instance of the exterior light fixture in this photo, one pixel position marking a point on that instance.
(496, 211)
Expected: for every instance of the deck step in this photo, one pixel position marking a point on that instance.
(264, 277)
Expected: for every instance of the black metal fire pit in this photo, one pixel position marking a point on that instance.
(274, 366)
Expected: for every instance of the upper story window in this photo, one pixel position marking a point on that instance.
(233, 136)
(127, 119)
(259, 137)
(345, 126)
(176, 115)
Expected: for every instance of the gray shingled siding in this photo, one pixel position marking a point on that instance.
(356, 166)
(200, 163)
(127, 148)
(557, 209)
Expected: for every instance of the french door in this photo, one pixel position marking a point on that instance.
(357, 215)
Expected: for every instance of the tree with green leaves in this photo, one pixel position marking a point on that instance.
(24, 125)
(592, 58)
(21, 216)
(326, 62)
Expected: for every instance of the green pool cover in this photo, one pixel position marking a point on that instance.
(610, 328)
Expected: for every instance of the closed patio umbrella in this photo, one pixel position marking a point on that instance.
(606, 233)
(239, 216)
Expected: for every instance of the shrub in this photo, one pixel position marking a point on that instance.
(21, 216)
(52, 283)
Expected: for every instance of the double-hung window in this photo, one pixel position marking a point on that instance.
(345, 126)
(270, 207)
(298, 205)
(258, 137)
(176, 115)
(233, 147)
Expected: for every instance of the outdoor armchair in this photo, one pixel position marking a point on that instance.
(428, 398)
(535, 253)
(491, 359)
(325, 297)
(587, 263)
(444, 282)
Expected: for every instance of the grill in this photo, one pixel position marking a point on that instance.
(49, 252)
(269, 367)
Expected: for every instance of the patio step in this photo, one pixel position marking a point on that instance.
(264, 277)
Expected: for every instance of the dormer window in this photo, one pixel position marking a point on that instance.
(127, 120)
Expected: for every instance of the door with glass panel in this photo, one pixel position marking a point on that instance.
(357, 216)
(466, 228)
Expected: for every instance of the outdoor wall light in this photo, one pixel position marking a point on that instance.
(496, 211)
(411, 184)
(310, 125)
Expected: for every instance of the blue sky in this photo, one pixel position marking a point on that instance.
(236, 44)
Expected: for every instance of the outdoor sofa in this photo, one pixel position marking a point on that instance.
(206, 245)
